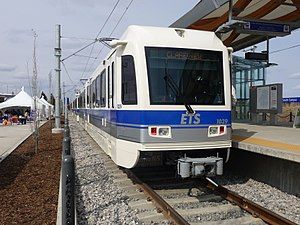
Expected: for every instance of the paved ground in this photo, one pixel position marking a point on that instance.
(281, 142)
(12, 136)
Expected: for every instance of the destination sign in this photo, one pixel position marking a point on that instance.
(264, 28)
(291, 100)
(184, 55)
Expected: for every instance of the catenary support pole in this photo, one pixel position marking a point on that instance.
(64, 100)
(57, 54)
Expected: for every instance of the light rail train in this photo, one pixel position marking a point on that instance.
(161, 94)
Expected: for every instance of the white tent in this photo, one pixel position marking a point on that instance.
(49, 107)
(22, 99)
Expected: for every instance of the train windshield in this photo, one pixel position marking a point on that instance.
(185, 76)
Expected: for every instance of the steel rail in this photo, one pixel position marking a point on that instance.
(249, 206)
(159, 202)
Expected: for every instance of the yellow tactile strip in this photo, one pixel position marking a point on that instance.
(267, 143)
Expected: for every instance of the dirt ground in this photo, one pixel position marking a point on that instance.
(29, 182)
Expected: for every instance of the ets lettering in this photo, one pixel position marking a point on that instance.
(190, 119)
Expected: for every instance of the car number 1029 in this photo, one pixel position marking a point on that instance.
(222, 121)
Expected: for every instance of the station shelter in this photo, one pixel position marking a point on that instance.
(245, 74)
(241, 24)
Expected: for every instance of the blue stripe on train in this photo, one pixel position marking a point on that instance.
(160, 117)
(168, 117)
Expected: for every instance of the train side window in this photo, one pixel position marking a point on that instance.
(112, 84)
(80, 101)
(98, 91)
(88, 97)
(93, 94)
(84, 100)
(129, 95)
(103, 89)
(108, 87)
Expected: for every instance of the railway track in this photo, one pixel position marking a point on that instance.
(159, 198)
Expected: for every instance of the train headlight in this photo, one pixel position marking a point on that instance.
(213, 130)
(217, 130)
(160, 131)
(164, 131)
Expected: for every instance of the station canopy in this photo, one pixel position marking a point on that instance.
(251, 21)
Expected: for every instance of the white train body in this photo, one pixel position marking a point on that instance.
(137, 99)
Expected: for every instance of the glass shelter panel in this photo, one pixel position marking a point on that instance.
(246, 74)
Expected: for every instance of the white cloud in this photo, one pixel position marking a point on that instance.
(7, 68)
(18, 35)
(81, 68)
(73, 44)
(20, 76)
(297, 87)
(295, 76)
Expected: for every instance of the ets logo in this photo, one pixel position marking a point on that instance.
(190, 119)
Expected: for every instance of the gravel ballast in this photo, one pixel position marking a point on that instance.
(98, 199)
(265, 195)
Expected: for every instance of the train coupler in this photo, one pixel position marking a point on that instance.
(195, 167)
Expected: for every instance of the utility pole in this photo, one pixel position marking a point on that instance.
(57, 54)
(50, 85)
(34, 90)
(64, 99)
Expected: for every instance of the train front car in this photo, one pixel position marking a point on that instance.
(162, 96)
(175, 99)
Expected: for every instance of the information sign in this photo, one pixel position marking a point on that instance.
(263, 98)
(266, 99)
(265, 28)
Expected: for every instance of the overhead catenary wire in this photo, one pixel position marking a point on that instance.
(79, 50)
(113, 30)
(111, 12)
(284, 49)
(121, 18)
(72, 88)
(85, 56)
(78, 38)
(65, 68)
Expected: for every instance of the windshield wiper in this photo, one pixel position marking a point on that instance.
(174, 88)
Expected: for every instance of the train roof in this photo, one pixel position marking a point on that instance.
(166, 37)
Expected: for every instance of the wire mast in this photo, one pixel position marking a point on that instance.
(34, 92)
(57, 54)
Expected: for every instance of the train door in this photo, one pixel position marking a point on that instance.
(111, 103)
(111, 87)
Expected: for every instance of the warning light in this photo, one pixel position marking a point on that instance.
(153, 130)
(222, 129)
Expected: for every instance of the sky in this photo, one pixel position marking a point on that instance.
(81, 20)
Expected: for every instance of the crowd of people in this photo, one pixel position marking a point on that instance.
(14, 117)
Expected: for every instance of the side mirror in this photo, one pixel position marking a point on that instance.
(230, 51)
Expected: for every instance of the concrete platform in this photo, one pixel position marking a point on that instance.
(275, 141)
(12, 136)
